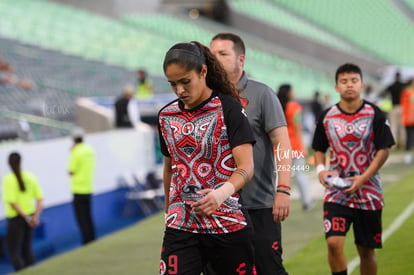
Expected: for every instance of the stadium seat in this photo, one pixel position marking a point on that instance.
(267, 12)
(391, 39)
(141, 196)
(268, 68)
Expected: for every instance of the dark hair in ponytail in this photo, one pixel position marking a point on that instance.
(14, 162)
(283, 95)
(192, 55)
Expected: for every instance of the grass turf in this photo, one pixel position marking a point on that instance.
(394, 258)
(136, 250)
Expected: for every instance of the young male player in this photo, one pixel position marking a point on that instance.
(359, 137)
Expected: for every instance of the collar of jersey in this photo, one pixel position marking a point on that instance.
(181, 104)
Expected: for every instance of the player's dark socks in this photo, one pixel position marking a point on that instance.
(344, 272)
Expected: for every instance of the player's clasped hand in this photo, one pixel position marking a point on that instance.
(358, 181)
(280, 215)
(323, 175)
(206, 205)
(281, 208)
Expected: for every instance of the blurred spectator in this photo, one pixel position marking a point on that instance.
(20, 190)
(369, 95)
(407, 103)
(7, 77)
(24, 130)
(81, 169)
(397, 129)
(293, 115)
(144, 85)
(326, 103)
(126, 109)
(316, 105)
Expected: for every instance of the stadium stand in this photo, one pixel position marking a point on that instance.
(272, 14)
(143, 194)
(72, 31)
(359, 28)
(264, 66)
(29, 127)
(119, 44)
(106, 40)
(59, 80)
(410, 4)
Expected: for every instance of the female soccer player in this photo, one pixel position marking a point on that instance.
(207, 145)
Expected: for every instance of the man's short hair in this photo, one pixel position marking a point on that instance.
(77, 134)
(128, 90)
(238, 47)
(347, 68)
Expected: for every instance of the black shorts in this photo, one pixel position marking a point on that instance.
(267, 242)
(186, 253)
(367, 224)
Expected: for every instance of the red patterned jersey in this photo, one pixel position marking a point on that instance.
(353, 140)
(199, 142)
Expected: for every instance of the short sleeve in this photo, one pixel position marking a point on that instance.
(9, 192)
(235, 118)
(320, 139)
(273, 115)
(382, 133)
(72, 161)
(163, 145)
(38, 192)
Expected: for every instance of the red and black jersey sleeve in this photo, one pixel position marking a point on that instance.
(235, 118)
(382, 133)
(320, 139)
(163, 145)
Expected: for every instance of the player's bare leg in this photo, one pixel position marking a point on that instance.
(336, 256)
(368, 260)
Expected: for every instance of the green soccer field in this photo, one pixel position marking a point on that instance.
(395, 256)
(136, 250)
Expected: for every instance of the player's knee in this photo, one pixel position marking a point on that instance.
(335, 244)
(367, 254)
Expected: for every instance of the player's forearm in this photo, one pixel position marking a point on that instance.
(243, 157)
(16, 207)
(319, 158)
(167, 180)
(379, 159)
(283, 174)
(39, 208)
(280, 140)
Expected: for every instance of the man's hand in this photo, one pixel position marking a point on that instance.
(323, 175)
(213, 199)
(357, 182)
(281, 207)
(32, 221)
(207, 205)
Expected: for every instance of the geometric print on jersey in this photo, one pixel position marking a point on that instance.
(355, 137)
(201, 158)
(351, 139)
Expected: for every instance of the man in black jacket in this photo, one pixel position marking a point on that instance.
(126, 109)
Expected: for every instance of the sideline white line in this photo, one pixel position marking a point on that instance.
(387, 233)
